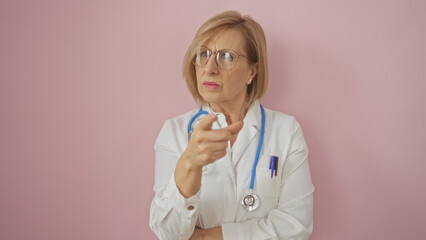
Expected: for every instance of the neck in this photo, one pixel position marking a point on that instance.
(234, 111)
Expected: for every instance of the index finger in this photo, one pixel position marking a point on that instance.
(217, 135)
(206, 122)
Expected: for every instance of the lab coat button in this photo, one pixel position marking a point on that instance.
(190, 207)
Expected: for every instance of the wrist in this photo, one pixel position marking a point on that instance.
(187, 177)
(188, 164)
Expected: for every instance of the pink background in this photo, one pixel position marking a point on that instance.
(86, 85)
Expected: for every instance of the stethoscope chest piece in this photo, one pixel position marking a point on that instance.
(250, 202)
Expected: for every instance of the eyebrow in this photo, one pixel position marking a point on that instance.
(238, 52)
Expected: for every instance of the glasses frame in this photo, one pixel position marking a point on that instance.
(215, 53)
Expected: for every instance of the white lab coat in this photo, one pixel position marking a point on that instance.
(286, 200)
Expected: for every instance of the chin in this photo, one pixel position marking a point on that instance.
(211, 98)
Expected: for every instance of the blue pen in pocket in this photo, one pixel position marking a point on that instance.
(272, 165)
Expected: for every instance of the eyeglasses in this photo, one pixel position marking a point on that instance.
(225, 59)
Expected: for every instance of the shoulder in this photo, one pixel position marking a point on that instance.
(174, 131)
(180, 122)
(285, 128)
(281, 121)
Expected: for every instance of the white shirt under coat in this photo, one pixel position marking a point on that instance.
(286, 200)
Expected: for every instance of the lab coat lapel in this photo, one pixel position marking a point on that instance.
(251, 128)
(245, 137)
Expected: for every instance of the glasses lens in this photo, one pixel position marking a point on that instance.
(202, 56)
(226, 59)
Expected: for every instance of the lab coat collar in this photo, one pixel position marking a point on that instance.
(254, 115)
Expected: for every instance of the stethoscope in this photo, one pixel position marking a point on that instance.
(250, 201)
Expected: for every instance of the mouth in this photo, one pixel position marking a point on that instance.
(210, 85)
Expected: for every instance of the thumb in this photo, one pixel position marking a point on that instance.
(206, 122)
(235, 127)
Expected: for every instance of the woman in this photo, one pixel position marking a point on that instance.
(231, 169)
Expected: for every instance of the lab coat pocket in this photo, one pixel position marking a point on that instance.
(265, 185)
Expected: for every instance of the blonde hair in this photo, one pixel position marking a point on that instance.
(255, 47)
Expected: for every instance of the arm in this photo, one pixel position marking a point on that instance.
(171, 215)
(174, 209)
(292, 219)
(207, 234)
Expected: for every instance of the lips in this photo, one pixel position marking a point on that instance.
(210, 85)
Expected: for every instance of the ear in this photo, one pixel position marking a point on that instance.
(253, 69)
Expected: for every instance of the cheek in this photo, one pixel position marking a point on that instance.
(197, 77)
(238, 78)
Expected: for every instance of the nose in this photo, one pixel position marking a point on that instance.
(211, 66)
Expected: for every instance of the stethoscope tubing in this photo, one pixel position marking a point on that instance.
(199, 113)
(259, 147)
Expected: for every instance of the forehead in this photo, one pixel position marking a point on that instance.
(227, 39)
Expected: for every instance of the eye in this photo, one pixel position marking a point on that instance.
(227, 56)
(204, 53)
